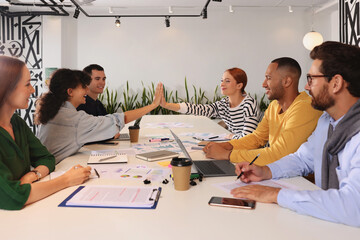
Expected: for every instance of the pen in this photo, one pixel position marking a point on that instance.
(159, 139)
(249, 165)
(97, 174)
(200, 139)
(107, 158)
(213, 137)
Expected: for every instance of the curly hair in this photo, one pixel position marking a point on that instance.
(48, 104)
(342, 59)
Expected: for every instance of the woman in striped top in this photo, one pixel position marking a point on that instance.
(238, 110)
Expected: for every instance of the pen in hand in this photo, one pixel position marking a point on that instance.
(97, 174)
(249, 165)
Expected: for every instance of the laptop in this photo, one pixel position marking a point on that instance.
(208, 168)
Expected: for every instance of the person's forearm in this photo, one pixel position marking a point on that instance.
(31, 177)
(172, 106)
(41, 190)
(137, 113)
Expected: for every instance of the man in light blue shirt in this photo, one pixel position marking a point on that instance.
(332, 152)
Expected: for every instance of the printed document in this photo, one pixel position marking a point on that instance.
(115, 196)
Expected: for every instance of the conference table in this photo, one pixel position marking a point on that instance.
(178, 215)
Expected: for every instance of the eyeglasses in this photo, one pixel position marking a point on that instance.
(310, 78)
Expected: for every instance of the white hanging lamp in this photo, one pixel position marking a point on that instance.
(312, 38)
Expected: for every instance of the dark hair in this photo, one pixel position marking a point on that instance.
(49, 104)
(290, 63)
(10, 74)
(342, 59)
(239, 75)
(91, 67)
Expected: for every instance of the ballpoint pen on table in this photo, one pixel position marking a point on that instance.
(213, 137)
(159, 139)
(200, 139)
(96, 172)
(107, 158)
(249, 165)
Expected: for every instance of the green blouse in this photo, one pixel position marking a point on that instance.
(15, 160)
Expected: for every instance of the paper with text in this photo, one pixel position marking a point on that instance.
(114, 196)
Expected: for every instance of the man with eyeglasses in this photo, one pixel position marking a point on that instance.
(287, 123)
(332, 152)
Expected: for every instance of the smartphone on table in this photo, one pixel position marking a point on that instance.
(232, 202)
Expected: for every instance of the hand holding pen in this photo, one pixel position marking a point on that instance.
(240, 167)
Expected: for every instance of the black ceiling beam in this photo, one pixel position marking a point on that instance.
(54, 12)
(38, 4)
(140, 16)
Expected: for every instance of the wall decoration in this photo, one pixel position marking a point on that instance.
(349, 13)
(21, 37)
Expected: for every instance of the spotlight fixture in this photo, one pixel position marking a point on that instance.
(167, 21)
(204, 13)
(111, 10)
(170, 10)
(231, 10)
(290, 9)
(76, 13)
(117, 22)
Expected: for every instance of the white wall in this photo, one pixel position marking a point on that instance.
(142, 49)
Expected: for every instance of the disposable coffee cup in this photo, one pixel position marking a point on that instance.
(181, 170)
(134, 133)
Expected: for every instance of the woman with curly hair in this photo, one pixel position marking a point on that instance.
(20, 149)
(63, 129)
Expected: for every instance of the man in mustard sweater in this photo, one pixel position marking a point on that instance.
(287, 123)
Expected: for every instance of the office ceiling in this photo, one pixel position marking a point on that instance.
(144, 7)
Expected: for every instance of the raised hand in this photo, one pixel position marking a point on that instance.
(158, 94)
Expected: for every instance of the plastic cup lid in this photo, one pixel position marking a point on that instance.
(181, 162)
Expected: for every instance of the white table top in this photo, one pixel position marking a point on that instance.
(179, 214)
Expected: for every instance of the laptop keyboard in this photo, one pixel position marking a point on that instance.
(208, 167)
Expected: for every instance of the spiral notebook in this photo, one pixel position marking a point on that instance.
(107, 157)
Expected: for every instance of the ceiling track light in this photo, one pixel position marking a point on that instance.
(290, 9)
(167, 21)
(111, 10)
(76, 13)
(204, 13)
(170, 10)
(117, 22)
(231, 10)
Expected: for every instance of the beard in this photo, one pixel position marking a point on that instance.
(323, 100)
(276, 93)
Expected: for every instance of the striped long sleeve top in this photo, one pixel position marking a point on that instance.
(240, 120)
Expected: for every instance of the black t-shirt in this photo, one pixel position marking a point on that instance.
(93, 107)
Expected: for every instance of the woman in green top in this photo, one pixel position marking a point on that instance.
(20, 149)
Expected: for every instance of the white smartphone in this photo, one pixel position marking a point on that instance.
(232, 202)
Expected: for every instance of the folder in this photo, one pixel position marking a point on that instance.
(90, 197)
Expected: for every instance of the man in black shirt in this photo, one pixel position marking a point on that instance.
(93, 106)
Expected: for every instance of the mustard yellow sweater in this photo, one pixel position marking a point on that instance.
(285, 132)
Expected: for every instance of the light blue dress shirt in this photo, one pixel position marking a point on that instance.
(337, 205)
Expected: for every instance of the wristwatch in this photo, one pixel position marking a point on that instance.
(37, 173)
